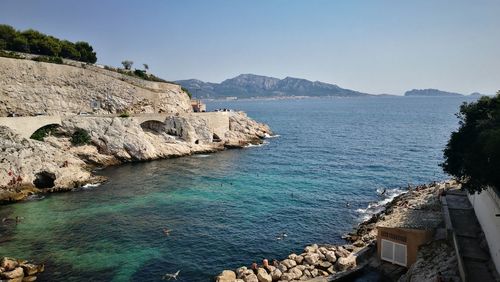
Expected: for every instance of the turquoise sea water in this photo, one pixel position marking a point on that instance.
(226, 209)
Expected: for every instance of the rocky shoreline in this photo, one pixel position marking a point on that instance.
(18, 270)
(61, 166)
(325, 262)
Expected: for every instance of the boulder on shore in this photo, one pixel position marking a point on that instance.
(226, 276)
(345, 263)
(263, 276)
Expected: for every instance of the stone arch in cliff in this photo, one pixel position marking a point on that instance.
(154, 126)
(45, 131)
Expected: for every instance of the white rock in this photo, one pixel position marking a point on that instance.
(311, 249)
(312, 258)
(330, 256)
(13, 274)
(276, 274)
(345, 263)
(295, 272)
(299, 259)
(289, 263)
(251, 278)
(240, 271)
(226, 276)
(263, 276)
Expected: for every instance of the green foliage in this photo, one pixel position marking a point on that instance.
(35, 42)
(137, 73)
(48, 59)
(140, 73)
(80, 137)
(44, 132)
(8, 54)
(20, 44)
(124, 115)
(127, 64)
(472, 154)
(187, 92)
(7, 35)
(68, 50)
(87, 53)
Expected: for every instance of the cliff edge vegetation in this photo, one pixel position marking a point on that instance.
(35, 42)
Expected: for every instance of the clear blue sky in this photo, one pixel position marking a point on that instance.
(371, 46)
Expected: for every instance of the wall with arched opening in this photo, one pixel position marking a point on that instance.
(153, 126)
(44, 131)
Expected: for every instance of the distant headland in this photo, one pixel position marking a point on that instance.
(249, 86)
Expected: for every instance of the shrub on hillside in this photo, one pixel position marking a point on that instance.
(48, 59)
(472, 154)
(185, 90)
(80, 137)
(8, 54)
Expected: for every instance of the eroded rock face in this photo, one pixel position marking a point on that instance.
(55, 164)
(243, 131)
(28, 87)
(23, 160)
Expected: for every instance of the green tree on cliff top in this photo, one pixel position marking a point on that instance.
(472, 154)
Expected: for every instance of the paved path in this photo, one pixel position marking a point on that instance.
(467, 230)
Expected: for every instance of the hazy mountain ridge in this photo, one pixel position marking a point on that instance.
(251, 85)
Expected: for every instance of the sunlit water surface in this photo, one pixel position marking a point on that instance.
(226, 209)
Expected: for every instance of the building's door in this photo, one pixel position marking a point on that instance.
(393, 252)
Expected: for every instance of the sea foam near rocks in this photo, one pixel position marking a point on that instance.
(376, 207)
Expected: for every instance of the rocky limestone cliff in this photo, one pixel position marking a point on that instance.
(28, 166)
(28, 88)
(168, 129)
(24, 161)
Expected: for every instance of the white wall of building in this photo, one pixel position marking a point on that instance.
(487, 206)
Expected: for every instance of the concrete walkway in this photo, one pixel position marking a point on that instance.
(467, 230)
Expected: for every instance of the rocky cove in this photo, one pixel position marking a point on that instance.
(54, 164)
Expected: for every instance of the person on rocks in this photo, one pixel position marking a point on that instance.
(265, 263)
(255, 267)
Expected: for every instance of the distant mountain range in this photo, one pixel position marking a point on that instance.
(258, 86)
(251, 86)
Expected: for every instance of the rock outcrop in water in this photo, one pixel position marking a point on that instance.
(16, 270)
(171, 129)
